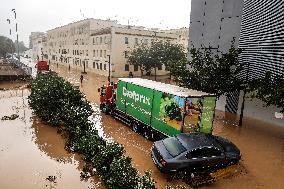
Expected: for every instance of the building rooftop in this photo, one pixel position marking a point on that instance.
(167, 88)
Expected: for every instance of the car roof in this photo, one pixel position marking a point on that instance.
(197, 140)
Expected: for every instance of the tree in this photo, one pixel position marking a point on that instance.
(269, 89)
(6, 46)
(211, 72)
(157, 54)
(139, 56)
(22, 46)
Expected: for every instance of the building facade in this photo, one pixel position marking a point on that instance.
(262, 37)
(102, 46)
(111, 46)
(215, 23)
(70, 44)
(38, 43)
(257, 27)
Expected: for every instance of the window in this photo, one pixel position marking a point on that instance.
(93, 41)
(173, 146)
(125, 54)
(135, 68)
(94, 65)
(126, 68)
(97, 39)
(94, 53)
(126, 40)
(196, 153)
(101, 53)
(97, 65)
(87, 53)
(101, 66)
(136, 41)
(105, 52)
(101, 40)
(146, 41)
(105, 66)
(105, 39)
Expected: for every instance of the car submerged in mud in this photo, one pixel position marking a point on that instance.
(193, 153)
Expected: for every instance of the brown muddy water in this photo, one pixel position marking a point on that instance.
(42, 149)
(32, 154)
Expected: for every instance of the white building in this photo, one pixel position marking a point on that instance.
(38, 47)
(95, 45)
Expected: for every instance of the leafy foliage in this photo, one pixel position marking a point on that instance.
(157, 54)
(173, 112)
(59, 103)
(6, 46)
(211, 72)
(269, 89)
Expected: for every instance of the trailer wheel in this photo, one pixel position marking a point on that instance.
(147, 133)
(135, 127)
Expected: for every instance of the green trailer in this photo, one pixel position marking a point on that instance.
(155, 108)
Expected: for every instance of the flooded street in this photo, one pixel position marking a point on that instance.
(32, 154)
(261, 144)
(30, 151)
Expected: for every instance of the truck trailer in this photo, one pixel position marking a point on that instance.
(156, 109)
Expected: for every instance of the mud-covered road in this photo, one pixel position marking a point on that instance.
(31, 151)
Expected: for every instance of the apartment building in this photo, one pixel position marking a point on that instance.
(111, 46)
(70, 44)
(102, 46)
(38, 43)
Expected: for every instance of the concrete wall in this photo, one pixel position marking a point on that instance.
(255, 108)
(215, 23)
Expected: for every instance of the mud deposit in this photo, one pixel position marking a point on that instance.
(32, 154)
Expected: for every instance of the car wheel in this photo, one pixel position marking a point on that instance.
(135, 127)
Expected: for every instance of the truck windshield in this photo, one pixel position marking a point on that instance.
(173, 146)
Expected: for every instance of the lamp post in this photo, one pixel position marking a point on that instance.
(15, 15)
(9, 21)
(155, 35)
(108, 68)
(243, 102)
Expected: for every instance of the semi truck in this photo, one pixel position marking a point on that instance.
(158, 110)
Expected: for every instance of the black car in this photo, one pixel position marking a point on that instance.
(194, 152)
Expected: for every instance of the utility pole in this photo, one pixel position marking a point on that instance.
(108, 68)
(15, 14)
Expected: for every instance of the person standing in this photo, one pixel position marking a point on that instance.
(81, 78)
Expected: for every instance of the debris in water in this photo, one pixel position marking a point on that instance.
(12, 117)
(51, 179)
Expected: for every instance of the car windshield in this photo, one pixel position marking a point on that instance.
(173, 146)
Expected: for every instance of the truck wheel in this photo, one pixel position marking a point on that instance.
(146, 133)
(105, 109)
(135, 127)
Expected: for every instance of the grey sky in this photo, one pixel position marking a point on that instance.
(42, 15)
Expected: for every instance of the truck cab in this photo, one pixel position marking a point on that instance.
(42, 66)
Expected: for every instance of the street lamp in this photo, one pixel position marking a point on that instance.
(15, 15)
(245, 91)
(155, 34)
(9, 21)
(108, 68)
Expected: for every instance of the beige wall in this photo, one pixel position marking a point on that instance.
(92, 40)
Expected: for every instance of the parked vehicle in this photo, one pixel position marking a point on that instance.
(157, 109)
(193, 153)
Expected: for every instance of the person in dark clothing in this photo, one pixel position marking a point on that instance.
(81, 78)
